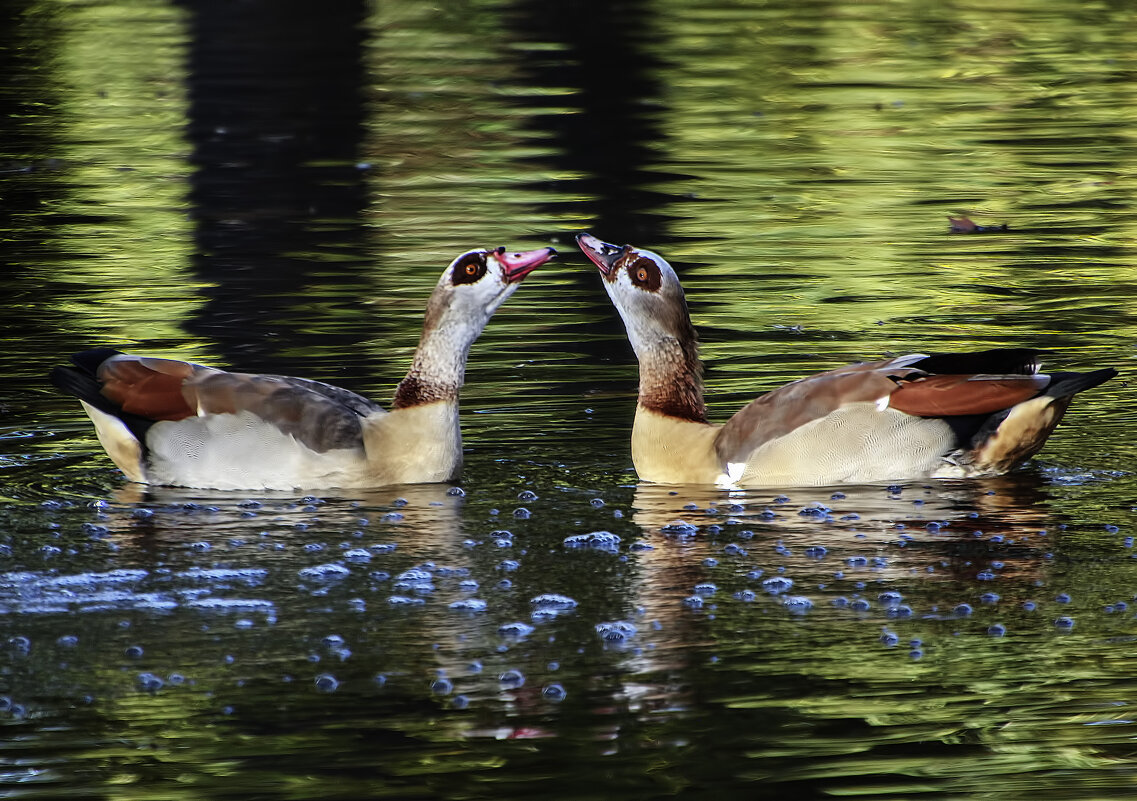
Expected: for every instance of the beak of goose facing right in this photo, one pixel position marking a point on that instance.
(519, 265)
(602, 254)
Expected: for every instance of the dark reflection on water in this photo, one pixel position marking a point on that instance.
(276, 125)
(270, 186)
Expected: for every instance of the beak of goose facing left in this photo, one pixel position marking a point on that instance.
(603, 254)
(519, 265)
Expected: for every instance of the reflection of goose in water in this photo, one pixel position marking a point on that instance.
(811, 546)
(175, 423)
(424, 519)
(915, 416)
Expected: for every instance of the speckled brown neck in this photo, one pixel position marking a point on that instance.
(671, 380)
(439, 365)
(415, 390)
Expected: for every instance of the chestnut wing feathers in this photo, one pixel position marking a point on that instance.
(974, 384)
(144, 390)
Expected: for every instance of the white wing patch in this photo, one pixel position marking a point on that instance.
(730, 478)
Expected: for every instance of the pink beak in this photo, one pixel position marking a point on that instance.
(600, 253)
(519, 265)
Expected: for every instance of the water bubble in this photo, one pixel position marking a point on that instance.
(326, 683)
(554, 692)
(442, 686)
(526, 496)
(324, 573)
(962, 610)
(521, 513)
(777, 585)
(1063, 598)
(746, 596)
(594, 540)
(561, 603)
(456, 492)
(516, 630)
(469, 605)
(705, 589)
(149, 682)
(512, 679)
(693, 602)
(596, 503)
(1064, 623)
(997, 630)
(797, 603)
(133, 652)
(616, 631)
(679, 528)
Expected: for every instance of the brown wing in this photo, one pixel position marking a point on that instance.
(150, 388)
(321, 416)
(904, 381)
(779, 412)
(950, 395)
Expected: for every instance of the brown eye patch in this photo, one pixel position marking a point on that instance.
(645, 274)
(468, 269)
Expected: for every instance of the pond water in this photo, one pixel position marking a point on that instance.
(275, 186)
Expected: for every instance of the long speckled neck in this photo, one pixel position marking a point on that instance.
(671, 380)
(438, 369)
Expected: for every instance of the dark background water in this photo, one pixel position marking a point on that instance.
(275, 187)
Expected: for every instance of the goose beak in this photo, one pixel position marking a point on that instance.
(602, 254)
(519, 265)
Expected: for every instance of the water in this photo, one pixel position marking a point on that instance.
(268, 187)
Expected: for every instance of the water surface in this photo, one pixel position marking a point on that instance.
(276, 188)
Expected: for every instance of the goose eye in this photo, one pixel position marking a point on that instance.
(470, 268)
(645, 274)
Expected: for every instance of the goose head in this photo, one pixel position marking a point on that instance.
(646, 292)
(473, 287)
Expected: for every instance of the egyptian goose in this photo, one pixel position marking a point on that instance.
(174, 423)
(915, 416)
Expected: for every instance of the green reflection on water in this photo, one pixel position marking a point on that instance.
(120, 73)
(808, 158)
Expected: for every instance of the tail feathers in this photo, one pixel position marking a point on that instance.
(1063, 385)
(82, 382)
(1013, 435)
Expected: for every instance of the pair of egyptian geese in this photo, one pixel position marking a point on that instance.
(916, 416)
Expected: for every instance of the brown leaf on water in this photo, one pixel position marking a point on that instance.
(965, 225)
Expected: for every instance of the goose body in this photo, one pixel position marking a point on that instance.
(914, 416)
(170, 422)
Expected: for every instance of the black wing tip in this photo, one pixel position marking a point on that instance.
(996, 361)
(89, 360)
(1063, 385)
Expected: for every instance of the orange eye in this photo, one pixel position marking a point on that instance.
(641, 274)
(471, 269)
